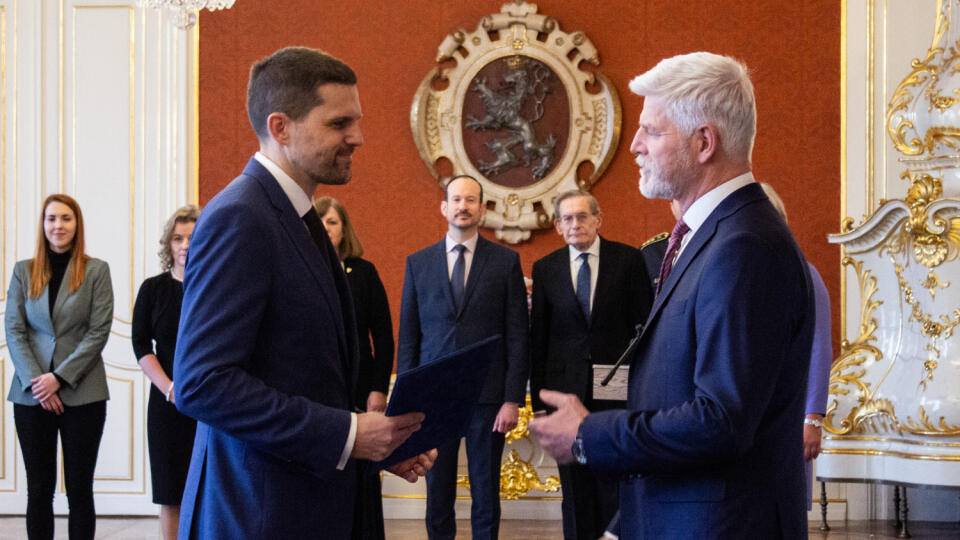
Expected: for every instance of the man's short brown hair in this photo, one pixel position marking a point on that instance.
(287, 82)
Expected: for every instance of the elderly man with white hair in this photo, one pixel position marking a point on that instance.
(710, 444)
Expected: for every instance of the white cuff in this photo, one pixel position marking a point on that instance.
(348, 448)
(610, 535)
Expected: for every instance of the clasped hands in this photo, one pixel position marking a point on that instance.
(379, 435)
(44, 389)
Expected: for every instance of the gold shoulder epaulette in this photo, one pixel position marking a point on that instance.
(655, 239)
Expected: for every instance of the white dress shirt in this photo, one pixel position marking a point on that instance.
(701, 208)
(470, 247)
(301, 203)
(594, 260)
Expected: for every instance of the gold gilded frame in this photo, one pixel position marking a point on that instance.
(594, 116)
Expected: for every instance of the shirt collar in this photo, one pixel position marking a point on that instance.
(594, 249)
(701, 209)
(299, 199)
(470, 243)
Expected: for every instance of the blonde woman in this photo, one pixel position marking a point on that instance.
(156, 316)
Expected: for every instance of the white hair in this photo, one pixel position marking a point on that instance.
(705, 88)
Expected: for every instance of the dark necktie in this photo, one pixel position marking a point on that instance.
(583, 285)
(457, 279)
(319, 234)
(332, 263)
(673, 246)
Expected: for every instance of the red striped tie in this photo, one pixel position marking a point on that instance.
(673, 246)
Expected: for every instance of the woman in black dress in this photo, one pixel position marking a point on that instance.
(376, 363)
(156, 316)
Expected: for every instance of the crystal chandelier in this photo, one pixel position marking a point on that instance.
(183, 13)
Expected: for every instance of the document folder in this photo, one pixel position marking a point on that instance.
(446, 390)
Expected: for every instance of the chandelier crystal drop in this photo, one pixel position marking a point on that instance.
(183, 13)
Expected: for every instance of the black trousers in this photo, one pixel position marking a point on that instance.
(81, 429)
(589, 502)
(484, 451)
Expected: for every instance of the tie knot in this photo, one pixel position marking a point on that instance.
(459, 248)
(679, 230)
(311, 216)
(584, 256)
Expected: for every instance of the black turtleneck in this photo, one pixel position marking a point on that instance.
(58, 267)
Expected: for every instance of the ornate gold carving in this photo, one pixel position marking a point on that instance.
(928, 326)
(932, 240)
(932, 282)
(513, 89)
(877, 414)
(926, 427)
(517, 475)
(846, 225)
(900, 125)
(941, 329)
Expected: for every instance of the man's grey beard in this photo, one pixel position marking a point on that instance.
(654, 187)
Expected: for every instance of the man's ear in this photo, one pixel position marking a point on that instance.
(278, 125)
(708, 142)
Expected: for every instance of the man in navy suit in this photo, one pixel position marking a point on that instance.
(455, 293)
(710, 445)
(267, 346)
(588, 298)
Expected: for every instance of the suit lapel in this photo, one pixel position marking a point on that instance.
(295, 229)
(604, 277)
(440, 272)
(704, 234)
(329, 276)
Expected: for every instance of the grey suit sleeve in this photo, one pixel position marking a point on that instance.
(516, 336)
(25, 362)
(409, 335)
(87, 353)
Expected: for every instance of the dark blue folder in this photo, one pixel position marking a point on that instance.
(446, 391)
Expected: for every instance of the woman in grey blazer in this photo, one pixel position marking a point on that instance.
(58, 315)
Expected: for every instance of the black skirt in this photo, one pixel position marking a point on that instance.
(170, 441)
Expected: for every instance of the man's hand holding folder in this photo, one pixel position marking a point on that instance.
(379, 435)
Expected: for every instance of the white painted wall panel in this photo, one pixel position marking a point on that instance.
(97, 102)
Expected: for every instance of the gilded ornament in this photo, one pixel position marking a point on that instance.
(517, 475)
(846, 225)
(523, 421)
(940, 328)
(921, 80)
(848, 371)
(931, 239)
(932, 283)
(928, 428)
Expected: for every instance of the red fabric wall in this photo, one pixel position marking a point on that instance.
(792, 49)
